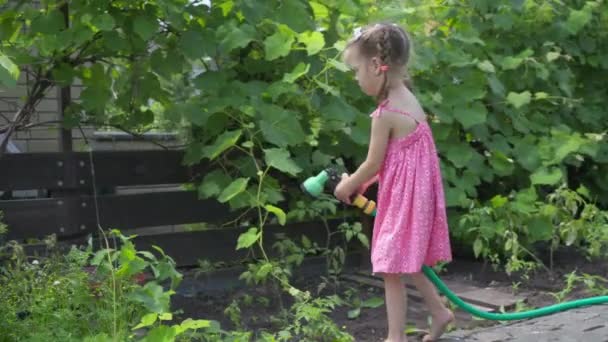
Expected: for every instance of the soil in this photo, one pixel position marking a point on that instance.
(370, 325)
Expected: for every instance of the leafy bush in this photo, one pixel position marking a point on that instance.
(90, 296)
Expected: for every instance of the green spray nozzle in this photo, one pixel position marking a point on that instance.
(315, 186)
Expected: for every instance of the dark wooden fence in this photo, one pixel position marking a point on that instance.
(68, 208)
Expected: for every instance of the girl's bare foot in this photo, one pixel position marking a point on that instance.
(404, 339)
(438, 326)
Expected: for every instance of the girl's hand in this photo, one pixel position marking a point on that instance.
(344, 189)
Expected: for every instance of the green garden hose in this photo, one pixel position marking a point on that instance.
(315, 185)
(547, 310)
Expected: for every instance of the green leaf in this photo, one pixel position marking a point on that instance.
(502, 165)
(278, 212)
(192, 324)
(363, 239)
(300, 70)
(103, 22)
(48, 23)
(354, 313)
(222, 143)
(113, 41)
(247, 239)
(578, 19)
(211, 82)
(320, 11)
(496, 85)
(546, 176)
(279, 44)
(511, 63)
(146, 321)
(338, 65)
(540, 228)
(519, 100)
(64, 74)
(213, 183)
(95, 98)
(280, 127)
(264, 270)
(146, 27)
(478, 247)
(153, 297)
(472, 115)
(161, 333)
(337, 109)
(498, 201)
(528, 157)
(373, 302)
(238, 37)
(103, 337)
(486, 66)
(165, 316)
(551, 56)
(280, 160)
(327, 88)
(236, 187)
(314, 41)
(295, 14)
(196, 44)
(565, 144)
(9, 71)
(306, 243)
(459, 154)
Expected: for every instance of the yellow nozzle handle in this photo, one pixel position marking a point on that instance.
(368, 206)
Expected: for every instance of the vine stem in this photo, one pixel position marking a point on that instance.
(265, 216)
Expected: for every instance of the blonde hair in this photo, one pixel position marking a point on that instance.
(390, 43)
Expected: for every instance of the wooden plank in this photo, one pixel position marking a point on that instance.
(140, 168)
(76, 215)
(36, 218)
(412, 292)
(220, 244)
(487, 299)
(214, 245)
(492, 297)
(25, 171)
(158, 209)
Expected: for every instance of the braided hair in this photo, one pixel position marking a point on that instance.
(391, 44)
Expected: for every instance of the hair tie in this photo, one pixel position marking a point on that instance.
(384, 68)
(357, 33)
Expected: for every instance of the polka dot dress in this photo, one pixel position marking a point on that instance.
(410, 228)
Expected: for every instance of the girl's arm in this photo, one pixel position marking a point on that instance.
(380, 134)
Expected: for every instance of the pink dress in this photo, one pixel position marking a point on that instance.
(410, 228)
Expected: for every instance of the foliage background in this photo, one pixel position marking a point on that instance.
(515, 90)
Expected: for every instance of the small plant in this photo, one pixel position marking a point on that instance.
(595, 285)
(310, 320)
(3, 227)
(357, 304)
(233, 311)
(508, 230)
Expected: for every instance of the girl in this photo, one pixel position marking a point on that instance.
(410, 228)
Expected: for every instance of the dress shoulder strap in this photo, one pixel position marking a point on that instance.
(384, 106)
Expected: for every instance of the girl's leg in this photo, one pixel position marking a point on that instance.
(396, 304)
(442, 316)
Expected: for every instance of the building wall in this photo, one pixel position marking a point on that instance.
(46, 138)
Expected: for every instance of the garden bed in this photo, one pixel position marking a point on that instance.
(259, 305)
